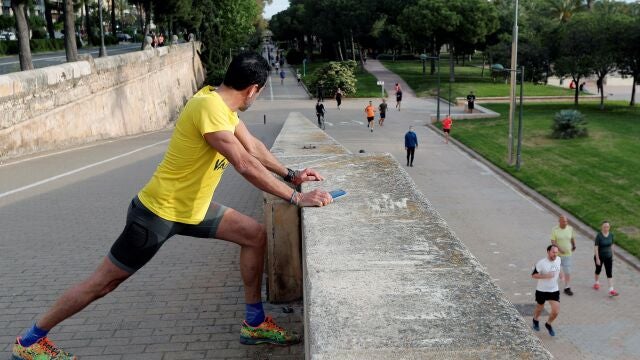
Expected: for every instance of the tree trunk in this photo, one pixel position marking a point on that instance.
(452, 76)
(113, 17)
(577, 90)
(353, 49)
(340, 51)
(49, 19)
(633, 90)
(141, 19)
(70, 46)
(484, 62)
(87, 21)
(22, 29)
(601, 81)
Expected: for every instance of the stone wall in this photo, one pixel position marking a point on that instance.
(76, 103)
(384, 277)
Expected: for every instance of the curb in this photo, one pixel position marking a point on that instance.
(552, 207)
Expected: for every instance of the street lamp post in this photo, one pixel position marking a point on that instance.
(512, 93)
(103, 49)
(520, 118)
(424, 57)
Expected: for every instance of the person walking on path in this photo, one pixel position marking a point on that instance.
(370, 112)
(471, 99)
(446, 128)
(282, 76)
(383, 112)
(320, 91)
(603, 255)
(339, 97)
(547, 271)
(298, 77)
(563, 236)
(398, 96)
(320, 114)
(178, 200)
(410, 144)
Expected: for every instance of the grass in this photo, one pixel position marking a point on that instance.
(594, 178)
(468, 78)
(366, 83)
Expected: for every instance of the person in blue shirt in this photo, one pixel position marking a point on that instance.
(410, 144)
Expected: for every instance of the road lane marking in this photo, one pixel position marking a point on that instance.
(53, 178)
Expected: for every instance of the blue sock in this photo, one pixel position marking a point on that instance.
(32, 336)
(255, 314)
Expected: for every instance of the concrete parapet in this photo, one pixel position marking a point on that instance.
(79, 102)
(384, 276)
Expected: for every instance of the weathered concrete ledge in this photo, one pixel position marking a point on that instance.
(384, 276)
(84, 101)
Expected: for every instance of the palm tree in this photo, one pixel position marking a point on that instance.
(564, 9)
(22, 27)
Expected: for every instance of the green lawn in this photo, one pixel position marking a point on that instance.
(594, 178)
(468, 78)
(366, 83)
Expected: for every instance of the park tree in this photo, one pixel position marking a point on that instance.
(574, 57)
(606, 31)
(70, 46)
(563, 10)
(22, 32)
(629, 58)
(49, 18)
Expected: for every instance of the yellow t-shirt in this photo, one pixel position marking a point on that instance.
(181, 189)
(563, 238)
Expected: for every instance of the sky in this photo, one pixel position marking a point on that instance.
(275, 7)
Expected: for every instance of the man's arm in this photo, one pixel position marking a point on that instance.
(257, 149)
(573, 240)
(251, 169)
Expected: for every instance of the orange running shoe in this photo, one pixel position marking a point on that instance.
(267, 333)
(44, 349)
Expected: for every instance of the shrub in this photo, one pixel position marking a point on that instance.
(294, 57)
(569, 124)
(333, 75)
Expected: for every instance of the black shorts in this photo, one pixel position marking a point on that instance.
(370, 118)
(145, 232)
(383, 115)
(399, 96)
(542, 296)
(470, 106)
(446, 130)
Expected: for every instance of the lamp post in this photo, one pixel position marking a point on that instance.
(424, 57)
(103, 49)
(520, 118)
(512, 93)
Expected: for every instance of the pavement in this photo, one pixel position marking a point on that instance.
(9, 64)
(60, 212)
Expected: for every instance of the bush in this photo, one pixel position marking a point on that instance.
(42, 45)
(569, 124)
(333, 75)
(294, 57)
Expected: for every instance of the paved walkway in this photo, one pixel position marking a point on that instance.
(187, 303)
(505, 229)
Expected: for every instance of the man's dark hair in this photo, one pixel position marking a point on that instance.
(246, 69)
(551, 247)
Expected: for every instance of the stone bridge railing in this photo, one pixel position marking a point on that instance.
(383, 276)
(75, 103)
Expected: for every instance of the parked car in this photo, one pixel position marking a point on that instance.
(8, 35)
(124, 37)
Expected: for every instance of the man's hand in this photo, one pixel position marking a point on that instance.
(316, 197)
(306, 175)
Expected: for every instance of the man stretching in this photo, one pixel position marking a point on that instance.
(178, 200)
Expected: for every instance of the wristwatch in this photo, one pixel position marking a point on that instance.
(291, 174)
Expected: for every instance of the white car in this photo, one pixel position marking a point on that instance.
(8, 35)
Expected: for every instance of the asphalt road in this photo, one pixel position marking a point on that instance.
(11, 64)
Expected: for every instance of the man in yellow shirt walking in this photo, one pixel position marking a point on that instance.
(563, 236)
(178, 200)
